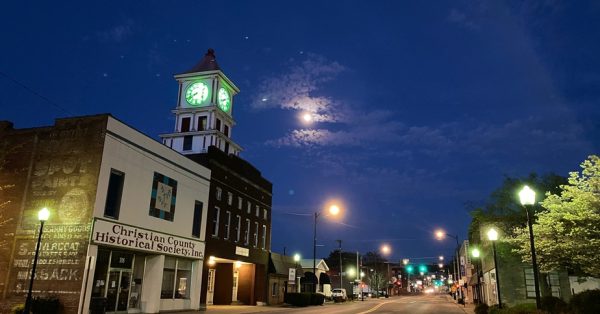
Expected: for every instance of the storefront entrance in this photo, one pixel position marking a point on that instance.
(118, 280)
(117, 293)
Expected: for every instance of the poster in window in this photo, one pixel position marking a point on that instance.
(163, 197)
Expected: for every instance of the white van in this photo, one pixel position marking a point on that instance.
(339, 295)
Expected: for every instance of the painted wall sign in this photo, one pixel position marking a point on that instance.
(292, 275)
(242, 251)
(114, 234)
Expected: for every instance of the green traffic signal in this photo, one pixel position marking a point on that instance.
(422, 268)
(410, 269)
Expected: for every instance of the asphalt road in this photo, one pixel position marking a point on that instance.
(420, 304)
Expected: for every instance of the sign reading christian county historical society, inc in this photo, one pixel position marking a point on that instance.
(114, 234)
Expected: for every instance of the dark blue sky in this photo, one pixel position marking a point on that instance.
(421, 108)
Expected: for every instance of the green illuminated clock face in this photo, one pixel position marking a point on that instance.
(224, 100)
(196, 94)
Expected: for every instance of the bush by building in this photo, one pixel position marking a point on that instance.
(554, 305)
(304, 298)
(482, 308)
(48, 305)
(586, 302)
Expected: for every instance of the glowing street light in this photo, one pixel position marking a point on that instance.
(333, 210)
(493, 236)
(475, 254)
(440, 235)
(351, 272)
(527, 198)
(385, 249)
(405, 261)
(296, 257)
(441, 258)
(43, 216)
(440, 265)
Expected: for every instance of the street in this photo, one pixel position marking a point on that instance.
(402, 304)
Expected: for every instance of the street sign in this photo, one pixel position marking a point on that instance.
(292, 276)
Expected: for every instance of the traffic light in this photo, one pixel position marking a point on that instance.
(422, 268)
(410, 269)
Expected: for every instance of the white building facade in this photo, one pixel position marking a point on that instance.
(149, 218)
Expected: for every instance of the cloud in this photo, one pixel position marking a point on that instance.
(358, 128)
(296, 88)
(118, 33)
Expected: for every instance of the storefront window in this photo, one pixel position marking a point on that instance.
(184, 279)
(168, 278)
(177, 278)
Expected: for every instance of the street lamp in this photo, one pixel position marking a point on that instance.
(362, 295)
(493, 236)
(475, 254)
(43, 216)
(527, 197)
(386, 250)
(333, 210)
(440, 235)
(296, 260)
(441, 258)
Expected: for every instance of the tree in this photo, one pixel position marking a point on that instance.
(503, 208)
(567, 231)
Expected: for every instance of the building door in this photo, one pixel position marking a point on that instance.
(210, 286)
(236, 276)
(117, 292)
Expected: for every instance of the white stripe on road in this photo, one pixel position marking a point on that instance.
(376, 307)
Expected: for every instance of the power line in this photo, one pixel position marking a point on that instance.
(30, 90)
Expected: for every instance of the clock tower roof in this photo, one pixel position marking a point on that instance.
(208, 63)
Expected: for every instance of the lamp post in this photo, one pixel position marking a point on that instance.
(43, 216)
(296, 260)
(333, 210)
(362, 294)
(527, 198)
(493, 236)
(475, 254)
(386, 250)
(440, 234)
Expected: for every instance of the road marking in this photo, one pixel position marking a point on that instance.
(376, 307)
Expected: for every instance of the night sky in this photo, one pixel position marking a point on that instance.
(419, 109)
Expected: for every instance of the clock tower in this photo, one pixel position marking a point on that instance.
(203, 116)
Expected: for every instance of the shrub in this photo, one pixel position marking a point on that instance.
(553, 305)
(47, 305)
(523, 308)
(299, 299)
(482, 308)
(317, 299)
(18, 309)
(585, 302)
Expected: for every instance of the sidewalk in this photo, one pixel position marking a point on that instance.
(468, 308)
(249, 309)
(238, 309)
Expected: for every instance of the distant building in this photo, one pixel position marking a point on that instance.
(238, 236)
(320, 278)
(284, 277)
(516, 278)
(127, 223)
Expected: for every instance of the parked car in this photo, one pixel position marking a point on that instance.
(339, 295)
